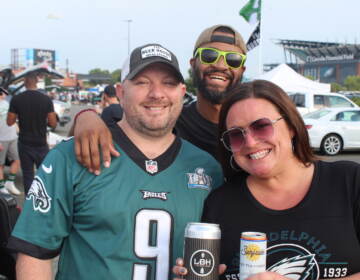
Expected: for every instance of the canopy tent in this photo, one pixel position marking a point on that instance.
(290, 81)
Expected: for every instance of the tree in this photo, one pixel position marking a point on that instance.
(352, 83)
(335, 87)
(115, 76)
(189, 83)
(356, 100)
(310, 77)
(47, 80)
(99, 76)
(99, 71)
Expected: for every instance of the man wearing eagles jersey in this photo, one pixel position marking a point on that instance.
(127, 223)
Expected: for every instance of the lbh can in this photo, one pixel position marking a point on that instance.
(202, 251)
(252, 253)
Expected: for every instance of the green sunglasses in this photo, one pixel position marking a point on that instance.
(210, 56)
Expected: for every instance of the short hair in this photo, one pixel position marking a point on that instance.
(110, 91)
(277, 97)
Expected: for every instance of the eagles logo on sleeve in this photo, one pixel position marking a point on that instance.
(37, 192)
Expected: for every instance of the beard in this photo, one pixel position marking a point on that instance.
(214, 95)
(153, 126)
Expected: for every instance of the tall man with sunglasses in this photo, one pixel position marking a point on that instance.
(217, 65)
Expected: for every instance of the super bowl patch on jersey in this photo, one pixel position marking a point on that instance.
(38, 193)
(199, 179)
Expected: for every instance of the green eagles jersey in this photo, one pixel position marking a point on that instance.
(127, 223)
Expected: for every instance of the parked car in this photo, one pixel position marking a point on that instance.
(332, 130)
(62, 110)
(351, 94)
(309, 102)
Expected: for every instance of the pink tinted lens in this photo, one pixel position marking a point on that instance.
(261, 128)
(236, 139)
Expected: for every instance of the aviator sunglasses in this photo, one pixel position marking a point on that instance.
(211, 56)
(234, 138)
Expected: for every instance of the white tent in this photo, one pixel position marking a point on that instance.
(290, 81)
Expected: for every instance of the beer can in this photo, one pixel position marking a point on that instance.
(202, 251)
(252, 253)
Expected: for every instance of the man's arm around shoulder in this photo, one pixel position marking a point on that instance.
(30, 268)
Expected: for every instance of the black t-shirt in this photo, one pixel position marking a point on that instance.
(112, 114)
(197, 130)
(320, 236)
(32, 108)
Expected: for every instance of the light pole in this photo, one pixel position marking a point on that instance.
(128, 22)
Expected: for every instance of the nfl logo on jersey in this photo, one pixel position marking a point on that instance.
(151, 166)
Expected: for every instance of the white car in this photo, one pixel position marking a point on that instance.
(332, 130)
(62, 110)
(310, 102)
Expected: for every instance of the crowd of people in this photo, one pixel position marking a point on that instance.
(24, 124)
(239, 156)
(30, 113)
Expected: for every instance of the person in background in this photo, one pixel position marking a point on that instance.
(8, 142)
(113, 112)
(277, 186)
(128, 222)
(218, 64)
(35, 111)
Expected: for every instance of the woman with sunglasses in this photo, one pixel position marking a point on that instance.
(308, 208)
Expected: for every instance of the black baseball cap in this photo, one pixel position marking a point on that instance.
(110, 91)
(146, 55)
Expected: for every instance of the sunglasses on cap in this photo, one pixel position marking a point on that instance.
(210, 56)
(234, 138)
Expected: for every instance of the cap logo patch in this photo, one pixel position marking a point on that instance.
(150, 51)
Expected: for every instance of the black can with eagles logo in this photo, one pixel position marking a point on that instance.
(202, 251)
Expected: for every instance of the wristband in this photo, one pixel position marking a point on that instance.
(83, 111)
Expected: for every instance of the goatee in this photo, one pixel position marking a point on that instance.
(215, 96)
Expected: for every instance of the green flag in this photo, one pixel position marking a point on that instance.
(251, 12)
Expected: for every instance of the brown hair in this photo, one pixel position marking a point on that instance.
(276, 96)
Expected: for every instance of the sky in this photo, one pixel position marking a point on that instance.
(94, 34)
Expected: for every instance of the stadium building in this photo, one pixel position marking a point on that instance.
(325, 62)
